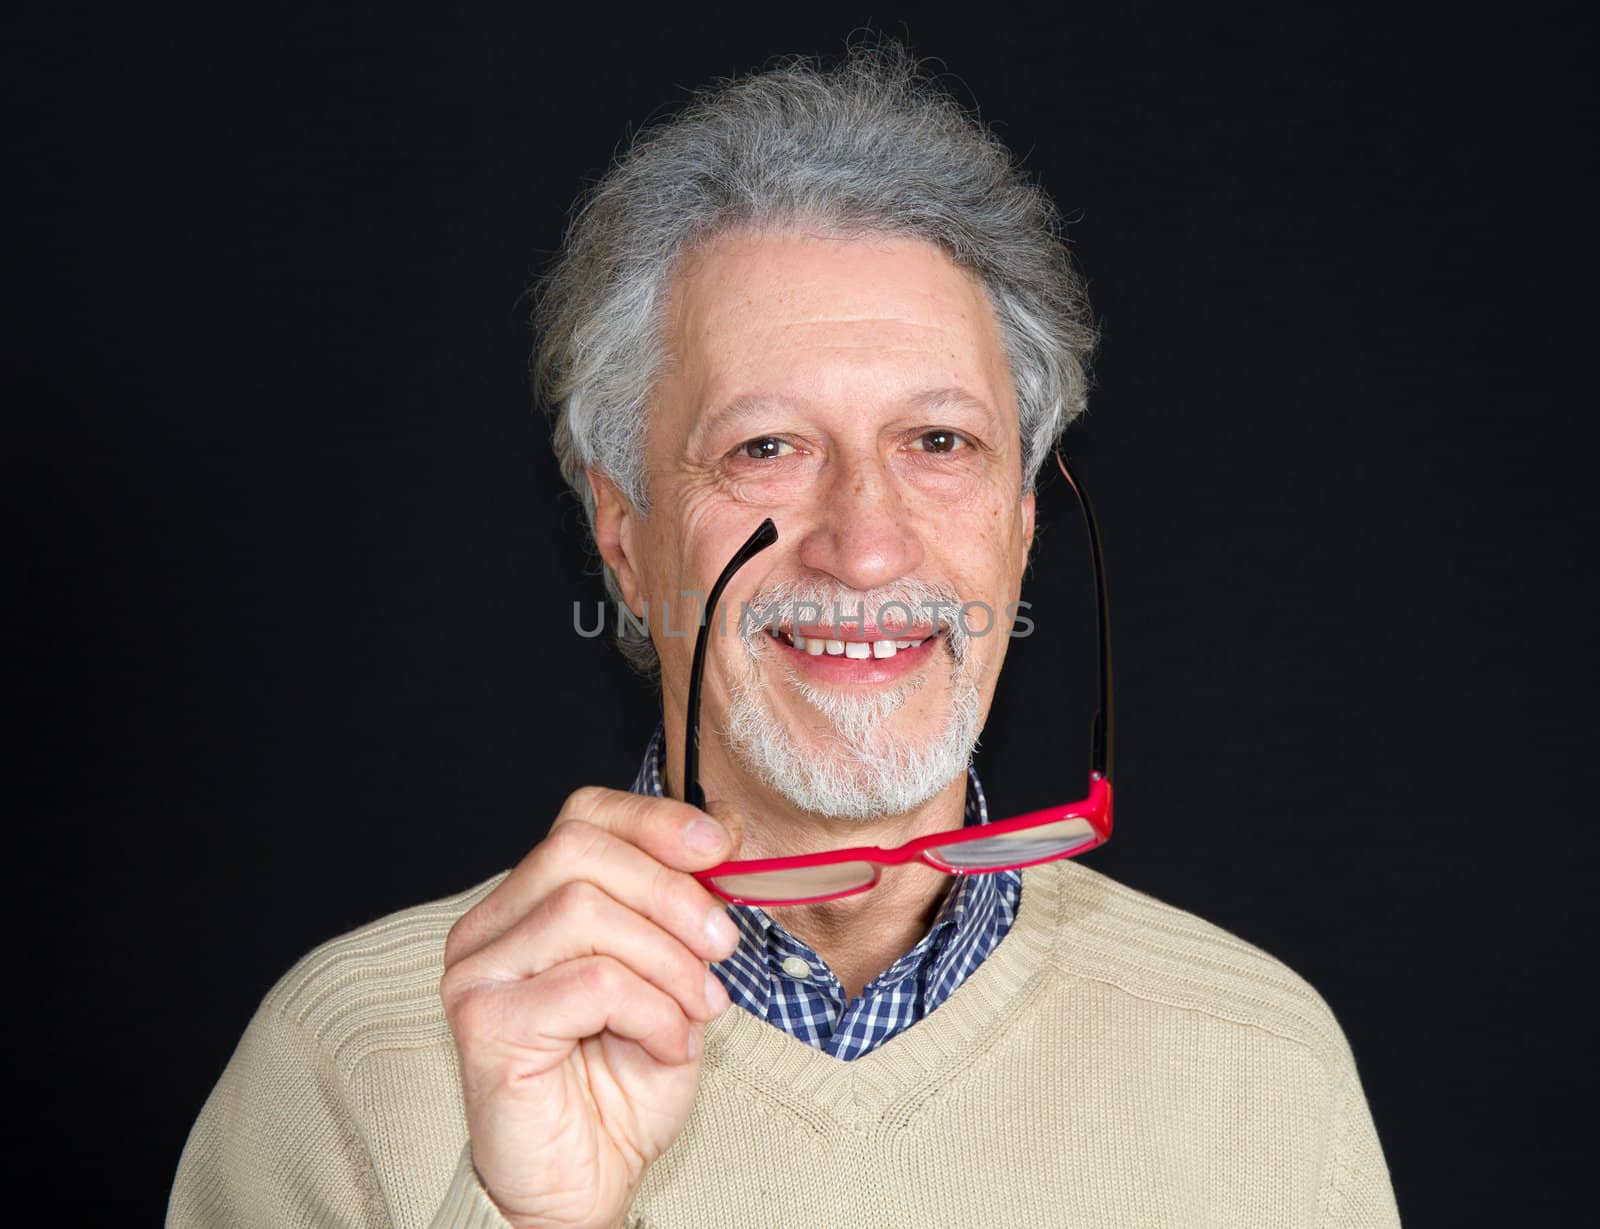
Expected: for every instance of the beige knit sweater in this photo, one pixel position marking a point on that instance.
(1115, 1062)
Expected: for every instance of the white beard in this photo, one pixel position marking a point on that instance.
(862, 771)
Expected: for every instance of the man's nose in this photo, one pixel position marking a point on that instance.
(864, 533)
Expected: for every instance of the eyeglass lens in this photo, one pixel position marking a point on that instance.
(1014, 848)
(798, 883)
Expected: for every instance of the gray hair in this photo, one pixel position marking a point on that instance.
(874, 146)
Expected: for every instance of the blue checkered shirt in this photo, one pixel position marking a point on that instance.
(763, 975)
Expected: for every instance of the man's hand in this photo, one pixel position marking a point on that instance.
(578, 992)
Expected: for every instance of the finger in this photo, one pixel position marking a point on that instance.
(579, 919)
(674, 833)
(577, 851)
(543, 1016)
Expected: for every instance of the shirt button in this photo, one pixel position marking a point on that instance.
(796, 968)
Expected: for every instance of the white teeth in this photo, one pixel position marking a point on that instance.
(856, 650)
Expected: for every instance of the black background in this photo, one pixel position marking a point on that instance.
(298, 571)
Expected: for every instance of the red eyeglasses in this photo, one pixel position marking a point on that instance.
(1008, 844)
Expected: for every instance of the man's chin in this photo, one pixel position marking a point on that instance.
(854, 752)
(859, 736)
(870, 772)
(848, 788)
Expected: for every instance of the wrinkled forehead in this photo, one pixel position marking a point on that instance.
(817, 317)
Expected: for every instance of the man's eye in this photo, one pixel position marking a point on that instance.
(767, 448)
(940, 441)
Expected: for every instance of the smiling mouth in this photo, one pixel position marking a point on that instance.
(856, 650)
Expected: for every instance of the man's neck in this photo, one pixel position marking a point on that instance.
(858, 936)
(861, 936)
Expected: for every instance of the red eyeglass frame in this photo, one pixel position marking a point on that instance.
(1095, 808)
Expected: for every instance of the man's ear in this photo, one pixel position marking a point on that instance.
(616, 523)
(1028, 509)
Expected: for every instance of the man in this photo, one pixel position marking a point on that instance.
(828, 300)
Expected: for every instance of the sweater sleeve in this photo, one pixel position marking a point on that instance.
(276, 1145)
(1355, 1191)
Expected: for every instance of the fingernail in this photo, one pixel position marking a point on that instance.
(694, 1043)
(705, 835)
(716, 995)
(722, 934)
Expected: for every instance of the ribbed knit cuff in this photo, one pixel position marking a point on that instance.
(466, 1204)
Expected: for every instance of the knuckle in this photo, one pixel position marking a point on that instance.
(582, 800)
(466, 1006)
(574, 902)
(573, 841)
(601, 977)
